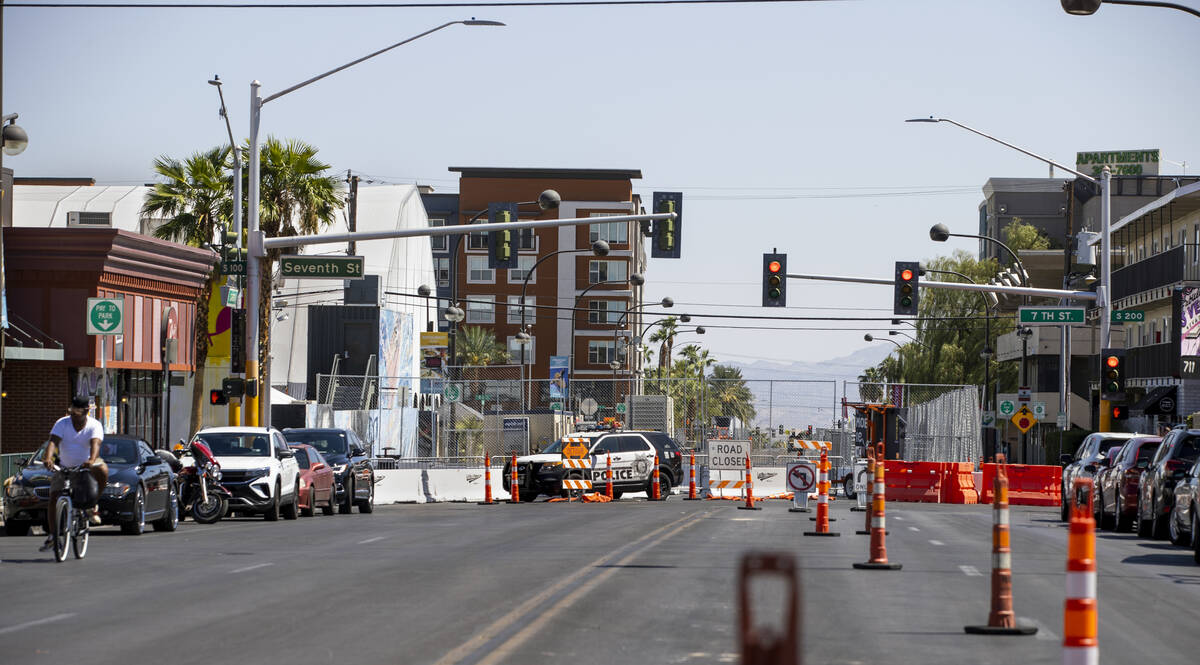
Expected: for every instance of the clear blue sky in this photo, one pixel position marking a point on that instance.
(781, 123)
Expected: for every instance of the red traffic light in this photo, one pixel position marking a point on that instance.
(217, 398)
(906, 275)
(1112, 361)
(1120, 412)
(774, 267)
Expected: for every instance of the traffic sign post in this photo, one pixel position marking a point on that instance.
(1050, 316)
(801, 478)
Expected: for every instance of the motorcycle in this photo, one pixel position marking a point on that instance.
(200, 488)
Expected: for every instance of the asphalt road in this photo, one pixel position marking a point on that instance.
(635, 582)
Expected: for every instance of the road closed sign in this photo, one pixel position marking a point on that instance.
(801, 476)
(727, 454)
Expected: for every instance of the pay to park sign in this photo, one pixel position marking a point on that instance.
(104, 316)
(724, 455)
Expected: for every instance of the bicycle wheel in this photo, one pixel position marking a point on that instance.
(79, 535)
(62, 514)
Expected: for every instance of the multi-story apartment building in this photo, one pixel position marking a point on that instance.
(576, 304)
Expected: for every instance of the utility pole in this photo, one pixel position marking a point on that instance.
(352, 215)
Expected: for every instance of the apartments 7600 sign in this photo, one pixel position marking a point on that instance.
(321, 267)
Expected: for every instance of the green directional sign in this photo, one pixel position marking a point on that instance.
(452, 392)
(233, 267)
(556, 406)
(104, 316)
(321, 267)
(1128, 315)
(1050, 316)
(620, 408)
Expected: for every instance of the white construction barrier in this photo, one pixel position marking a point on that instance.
(433, 485)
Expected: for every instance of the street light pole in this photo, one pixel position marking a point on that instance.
(235, 403)
(258, 403)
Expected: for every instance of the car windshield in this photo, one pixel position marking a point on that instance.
(232, 444)
(301, 457)
(1188, 449)
(555, 447)
(327, 443)
(1109, 447)
(1146, 452)
(119, 451)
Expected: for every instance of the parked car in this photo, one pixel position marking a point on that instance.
(258, 468)
(1184, 525)
(141, 487)
(1117, 484)
(353, 471)
(316, 480)
(26, 495)
(1156, 495)
(632, 464)
(1092, 455)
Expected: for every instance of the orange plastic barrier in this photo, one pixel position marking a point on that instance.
(913, 482)
(958, 483)
(1028, 484)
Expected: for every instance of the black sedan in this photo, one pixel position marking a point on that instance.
(26, 495)
(353, 472)
(141, 487)
(1156, 493)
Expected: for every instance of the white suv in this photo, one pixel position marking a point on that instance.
(258, 468)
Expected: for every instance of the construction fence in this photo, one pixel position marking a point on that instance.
(937, 423)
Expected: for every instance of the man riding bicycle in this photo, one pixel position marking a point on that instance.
(76, 437)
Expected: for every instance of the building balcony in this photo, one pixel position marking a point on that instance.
(1160, 271)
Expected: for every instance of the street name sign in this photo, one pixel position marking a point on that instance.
(321, 267)
(104, 316)
(1128, 315)
(1050, 316)
(233, 267)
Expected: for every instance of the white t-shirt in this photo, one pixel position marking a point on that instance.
(76, 447)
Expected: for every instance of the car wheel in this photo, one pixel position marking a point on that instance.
(1195, 535)
(847, 488)
(292, 510)
(616, 494)
(170, 518)
(272, 514)
(1160, 528)
(1098, 510)
(1173, 532)
(368, 505)
(1065, 509)
(312, 501)
(1123, 521)
(1143, 526)
(664, 485)
(137, 525)
(347, 503)
(327, 509)
(16, 527)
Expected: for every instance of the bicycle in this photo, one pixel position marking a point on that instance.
(71, 520)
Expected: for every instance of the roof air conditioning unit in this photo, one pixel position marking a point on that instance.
(89, 219)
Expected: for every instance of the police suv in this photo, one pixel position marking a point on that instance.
(632, 455)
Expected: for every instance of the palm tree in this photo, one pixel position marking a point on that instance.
(665, 335)
(295, 197)
(196, 201)
(729, 394)
(478, 346)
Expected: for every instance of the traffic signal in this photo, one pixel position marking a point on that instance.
(774, 292)
(232, 386)
(667, 232)
(501, 252)
(908, 274)
(1112, 375)
(1120, 412)
(217, 398)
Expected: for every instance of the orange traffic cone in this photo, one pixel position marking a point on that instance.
(822, 517)
(1080, 646)
(487, 483)
(879, 560)
(1001, 620)
(608, 476)
(513, 490)
(692, 478)
(749, 489)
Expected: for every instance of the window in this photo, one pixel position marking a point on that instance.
(481, 309)
(524, 265)
(604, 311)
(438, 243)
(441, 266)
(1166, 329)
(477, 240)
(606, 271)
(527, 239)
(514, 309)
(514, 350)
(601, 353)
(1196, 244)
(610, 232)
(478, 270)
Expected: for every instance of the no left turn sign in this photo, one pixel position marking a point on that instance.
(801, 476)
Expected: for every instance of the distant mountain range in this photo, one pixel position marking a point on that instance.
(798, 394)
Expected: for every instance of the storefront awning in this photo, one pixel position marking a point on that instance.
(1160, 401)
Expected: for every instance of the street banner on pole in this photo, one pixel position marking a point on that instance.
(560, 377)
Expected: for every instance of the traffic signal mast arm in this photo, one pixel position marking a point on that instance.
(258, 246)
(958, 286)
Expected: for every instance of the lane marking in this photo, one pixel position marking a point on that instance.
(936, 542)
(897, 517)
(913, 528)
(254, 567)
(537, 602)
(1043, 633)
(36, 622)
(970, 571)
(371, 540)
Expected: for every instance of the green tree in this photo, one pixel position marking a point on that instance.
(478, 346)
(1020, 235)
(196, 202)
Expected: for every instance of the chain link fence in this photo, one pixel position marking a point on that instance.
(938, 423)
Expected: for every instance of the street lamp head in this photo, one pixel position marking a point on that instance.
(893, 332)
(637, 279)
(14, 138)
(1081, 7)
(424, 290)
(216, 80)
(600, 248)
(939, 233)
(929, 119)
(700, 330)
(614, 365)
(986, 353)
(454, 314)
(522, 337)
(868, 338)
(549, 199)
(475, 21)
(685, 318)
(667, 303)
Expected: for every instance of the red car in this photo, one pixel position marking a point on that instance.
(316, 480)
(1118, 483)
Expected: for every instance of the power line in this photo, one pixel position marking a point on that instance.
(393, 5)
